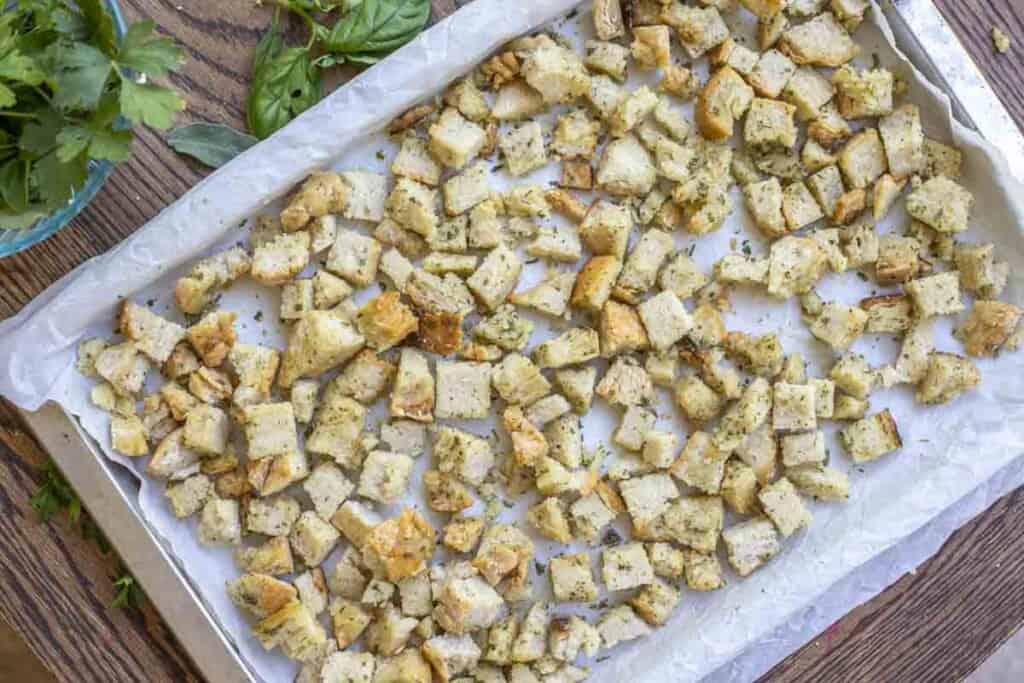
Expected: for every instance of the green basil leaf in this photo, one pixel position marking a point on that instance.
(80, 73)
(268, 49)
(365, 58)
(147, 52)
(214, 144)
(377, 26)
(283, 88)
(57, 181)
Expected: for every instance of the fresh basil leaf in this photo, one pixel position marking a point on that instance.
(7, 97)
(214, 144)
(14, 184)
(284, 87)
(268, 49)
(365, 58)
(150, 104)
(80, 73)
(377, 26)
(100, 25)
(147, 52)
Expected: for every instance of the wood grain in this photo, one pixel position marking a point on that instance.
(934, 625)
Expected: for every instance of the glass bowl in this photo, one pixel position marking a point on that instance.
(13, 241)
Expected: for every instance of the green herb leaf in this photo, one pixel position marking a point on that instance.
(54, 494)
(146, 52)
(129, 593)
(14, 66)
(214, 144)
(101, 143)
(268, 49)
(80, 73)
(99, 24)
(377, 26)
(14, 184)
(284, 87)
(39, 136)
(150, 104)
(57, 180)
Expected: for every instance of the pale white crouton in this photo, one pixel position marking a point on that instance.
(281, 259)
(348, 667)
(413, 394)
(518, 381)
(153, 335)
(605, 228)
(574, 346)
(464, 191)
(871, 438)
(655, 602)
(328, 488)
(626, 566)
(942, 160)
(576, 135)
(220, 522)
(631, 110)
(771, 74)
(827, 187)
(764, 9)
(128, 435)
(764, 202)
(621, 624)
(903, 138)
(453, 140)
(979, 272)
(699, 402)
(590, 516)
(312, 538)
(496, 276)
(744, 416)
(722, 102)
(799, 206)
(319, 341)
(354, 257)
(839, 325)
(862, 94)
(550, 520)
(451, 655)
(642, 265)
(577, 385)
(695, 521)
(941, 203)
(123, 367)
(565, 439)
(296, 299)
(807, 448)
(635, 424)
(701, 464)
(385, 476)
(607, 58)
(759, 450)
(698, 29)
(626, 168)
(739, 487)
(337, 427)
(823, 483)
(366, 196)
(738, 269)
(604, 95)
(515, 101)
(626, 383)
(946, 377)
(505, 328)
(784, 507)
(466, 604)
(793, 408)
(272, 516)
(547, 409)
(796, 265)
(898, 259)
(413, 206)
(194, 292)
(862, 159)
(936, 295)
(822, 41)
(463, 390)
(808, 91)
(660, 449)
(557, 73)
(188, 496)
(648, 496)
(750, 544)
(665, 319)
(414, 161)
(463, 455)
(207, 429)
(270, 430)
(523, 148)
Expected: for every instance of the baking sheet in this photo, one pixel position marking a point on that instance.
(948, 451)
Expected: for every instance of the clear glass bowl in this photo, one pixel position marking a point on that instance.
(13, 241)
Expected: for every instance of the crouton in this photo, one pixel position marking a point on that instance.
(319, 341)
(463, 390)
(572, 347)
(796, 265)
(413, 394)
(750, 544)
(153, 335)
(936, 295)
(839, 325)
(822, 41)
(220, 522)
(946, 377)
(518, 381)
(722, 101)
(626, 168)
(863, 94)
(942, 204)
(863, 159)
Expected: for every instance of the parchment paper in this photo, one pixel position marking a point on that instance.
(949, 452)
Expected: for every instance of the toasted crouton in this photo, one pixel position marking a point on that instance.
(822, 41)
(941, 203)
(946, 377)
(723, 100)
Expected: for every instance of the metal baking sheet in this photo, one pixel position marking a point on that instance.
(111, 492)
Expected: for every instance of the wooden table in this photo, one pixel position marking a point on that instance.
(936, 624)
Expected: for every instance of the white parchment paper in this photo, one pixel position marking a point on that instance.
(851, 551)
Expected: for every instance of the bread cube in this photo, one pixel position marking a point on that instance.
(281, 259)
(467, 604)
(796, 265)
(413, 206)
(413, 394)
(660, 449)
(863, 94)
(936, 294)
(518, 381)
(823, 483)
(318, 342)
(635, 424)
(453, 140)
(695, 521)
(698, 29)
(194, 292)
(947, 376)
(988, 327)
(771, 74)
(793, 409)
(942, 204)
(523, 148)
(337, 428)
(903, 138)
(863, 159)
(556, 73)
(590, 516)
(415, 162)
(665, 319)
(648, 496)
(807, 448)
(626, 168)
(187, 497)
(605, 229)
(839, 325)
(128, 435)
(313, 538)
(385, 476)
(463, 390)
(744, 416)
(220, 522)
(607, 58)
(328, 488)
(722, 102)
(750, 544)
(496, 277)
(153, 335)
(822, 41)
(871, 438)
(799, 206)
(699, 402)
(626, 383)
(701, 464)
(764, 201)
(808, 91)
(621, 624)
(574, 346)
(784, 507)
(621, 330)
(261, 595)
(626, 566)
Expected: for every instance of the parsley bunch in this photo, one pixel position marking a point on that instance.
(68, 92)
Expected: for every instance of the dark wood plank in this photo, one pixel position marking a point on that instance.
(936, 624)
